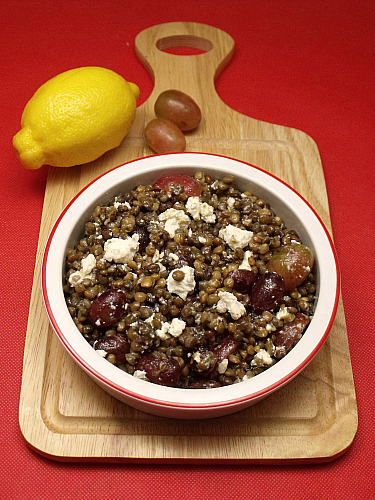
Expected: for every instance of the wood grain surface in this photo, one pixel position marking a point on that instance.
(65, 416)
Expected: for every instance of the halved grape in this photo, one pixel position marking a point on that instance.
(143, 238)
(119, 346)
(107, 309)
(179, 108)
(226, 347)
(203, 384)
(159, 369)
(288, 335)
(293, 262)
(190, 185)
(267, 292)
(244, 280)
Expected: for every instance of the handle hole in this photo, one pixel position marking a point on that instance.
(185, 45)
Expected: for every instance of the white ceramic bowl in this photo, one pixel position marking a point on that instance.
(170, 401)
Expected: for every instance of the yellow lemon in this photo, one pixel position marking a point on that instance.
(76, 117)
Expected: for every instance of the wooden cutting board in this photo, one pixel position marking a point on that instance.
(65, 416)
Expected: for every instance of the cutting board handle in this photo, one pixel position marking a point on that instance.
(188, 73)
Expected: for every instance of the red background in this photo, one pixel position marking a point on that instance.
(307, 64)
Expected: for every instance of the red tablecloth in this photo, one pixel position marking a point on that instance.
(308, 64)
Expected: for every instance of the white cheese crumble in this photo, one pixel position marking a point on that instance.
(283, 313)
(280, 351)
(177, 327)
(228, 302)
(173, 257)
(174, 328)
(119, 250)
(193, 207)
(155, 258)
(200, 210)
(183, 287)
(101, 352)
(141, 374)
(197, 356)
(262, 358)
(222, 366)
(245, 263)
(87, 265)
(117, 204)
(150, 319)
(162, 333)
(230, 203)
(207, 213)
(235, 236)
(173, 219)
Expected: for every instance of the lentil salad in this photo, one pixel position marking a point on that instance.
(173, 283)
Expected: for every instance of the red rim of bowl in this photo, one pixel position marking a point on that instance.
(168, 404)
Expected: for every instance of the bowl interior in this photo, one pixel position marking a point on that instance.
(295, 212)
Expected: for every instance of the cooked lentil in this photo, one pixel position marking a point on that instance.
(180, 310)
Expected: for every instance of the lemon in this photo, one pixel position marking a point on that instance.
(76, 117)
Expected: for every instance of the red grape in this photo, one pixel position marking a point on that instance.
(267, 292)
(190, 185)
(108, 308)
(144, 238)
(288, 335)
(179, 108)
(226, 347)
(160, 370)
(119, 346)
(293, 262)
(163, 136)
(244, 280)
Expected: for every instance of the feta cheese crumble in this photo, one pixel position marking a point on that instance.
(156, 260)
(141, 374)
(183, 287)
(87, 265)
(229, 303)
(173, 257)
(173, 219)
(121, 250)
(261, 359)
(230, 203)
(245, 263)
(222, 366)
(174, 329)
(200, 210)
(284, 313)
(235, 236)
(177, 327)
(117, 204)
